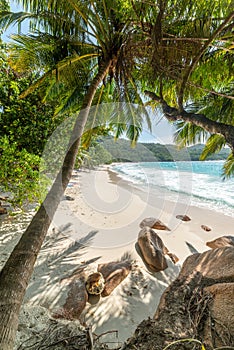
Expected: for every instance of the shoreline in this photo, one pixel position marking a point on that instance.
(186, 194)
(97, 222)
(111, 209)
(138, 188)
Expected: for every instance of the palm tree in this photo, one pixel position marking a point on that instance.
(191, 65)
(102, 36)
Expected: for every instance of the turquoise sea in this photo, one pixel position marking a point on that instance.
(196, 183)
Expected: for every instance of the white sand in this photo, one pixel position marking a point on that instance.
(101, 225)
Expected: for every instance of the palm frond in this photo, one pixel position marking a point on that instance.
(36, 84)
(70, 103)
(228, 168)
(42, 52)
(188, 134)
(118, 129)
(133, 133)
(8, 18)
(213, 145)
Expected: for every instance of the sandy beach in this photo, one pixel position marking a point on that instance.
(97, 222)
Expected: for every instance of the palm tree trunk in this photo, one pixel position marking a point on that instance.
(16, 273)
(213, 127)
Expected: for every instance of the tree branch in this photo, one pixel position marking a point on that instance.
(197, 58)
(193, 39)
(213, 127)
(230, 97)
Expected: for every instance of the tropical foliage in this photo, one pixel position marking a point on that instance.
(110, 42)
(180, 52)
(121, 151)
(25, 125)
(183, 51)
(28, 122)
(4, 5)
(19, 174)
(190, 69)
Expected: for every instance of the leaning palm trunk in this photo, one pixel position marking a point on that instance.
(16, 273)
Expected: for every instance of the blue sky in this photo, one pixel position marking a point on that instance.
(14, 29)
(162, 131)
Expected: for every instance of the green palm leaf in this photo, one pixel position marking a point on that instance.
(228, 168)
(213, 145)
(188, 134)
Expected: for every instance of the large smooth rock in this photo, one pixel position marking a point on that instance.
(76, 298)
(114, 273)
(152, 250)
(153, 223)
(219, 327)
(224, 241)
(215, 264)
(198, 304)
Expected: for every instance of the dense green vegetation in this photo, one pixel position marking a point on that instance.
(19, 174)
(193, 153)
(28, 122)
(44, 76)
(82, 53)
(25, 125)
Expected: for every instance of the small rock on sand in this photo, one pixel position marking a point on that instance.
(206, 228)
(183, 217)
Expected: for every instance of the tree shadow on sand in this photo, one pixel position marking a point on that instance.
(11, 229)
(59, 259)
(135, 299)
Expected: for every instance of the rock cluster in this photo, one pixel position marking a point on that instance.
(83, 287)
(198, 304)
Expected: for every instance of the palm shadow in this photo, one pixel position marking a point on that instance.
(134, 299)
(59, 259)
(11, 230)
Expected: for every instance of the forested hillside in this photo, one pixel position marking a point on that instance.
(121, 151)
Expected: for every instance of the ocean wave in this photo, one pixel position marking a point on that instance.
(200, 181)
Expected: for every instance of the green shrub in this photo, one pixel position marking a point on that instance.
(19, 174)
